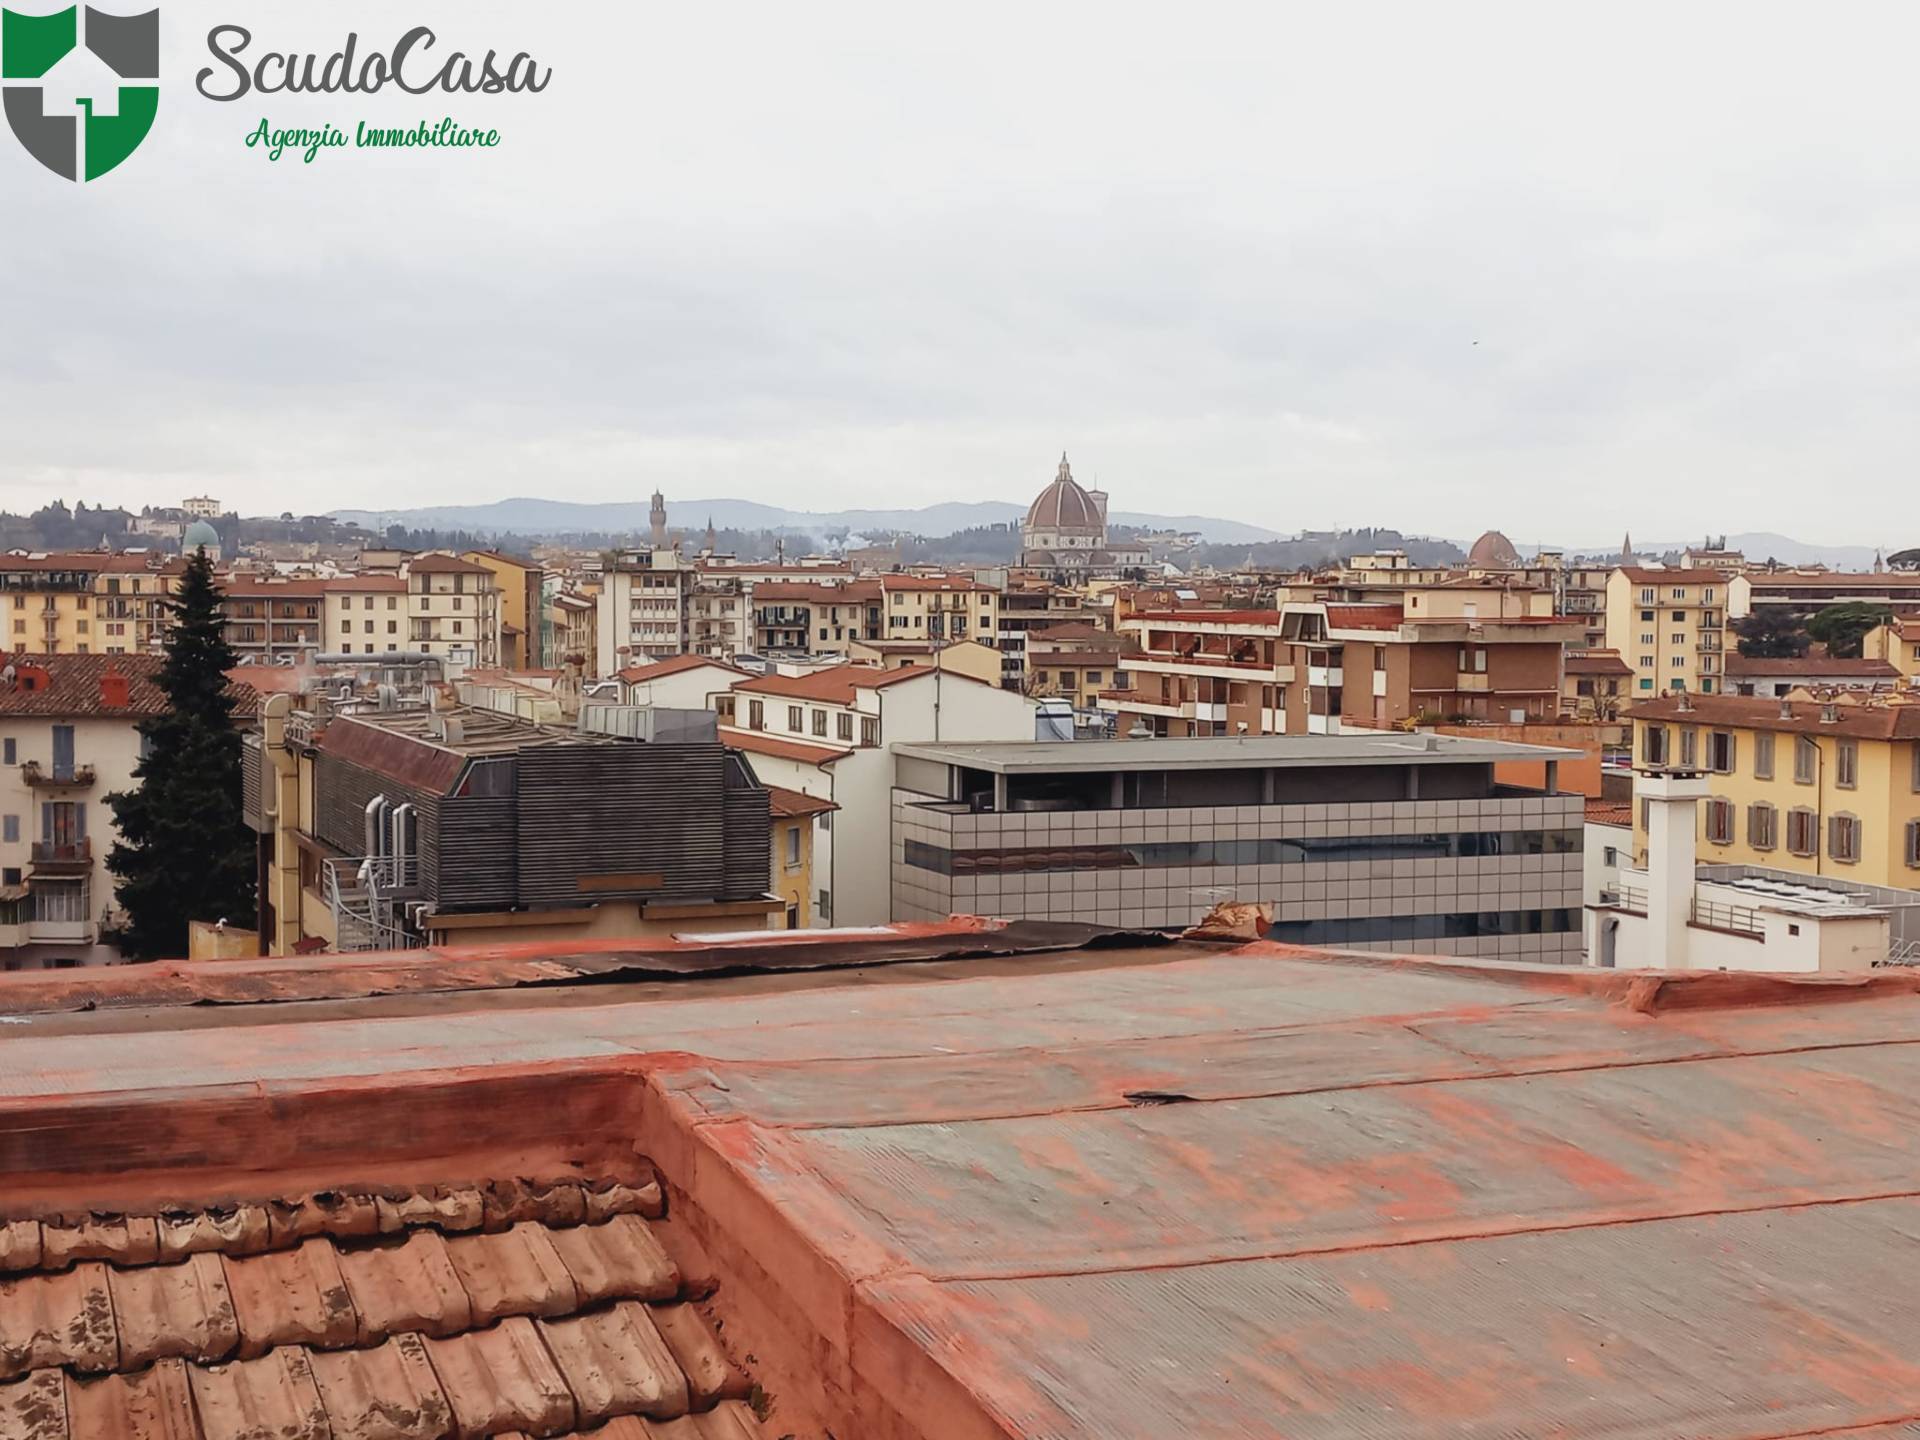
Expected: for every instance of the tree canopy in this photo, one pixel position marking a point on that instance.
(1841, 628)
(1772, 634)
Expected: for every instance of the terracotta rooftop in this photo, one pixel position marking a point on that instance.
(935, 1184)
(434, 563)
(838, 684)
(1642, 576)
(1812, 665)
(1754, 712)
(365, 584)
(1609, 812)
(757, 742)
(793, 805)
(1365, 617)
(69, 686)
(1601, 662)
(676, 665)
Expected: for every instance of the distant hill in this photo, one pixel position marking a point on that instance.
(1757, 546)
(526, 515)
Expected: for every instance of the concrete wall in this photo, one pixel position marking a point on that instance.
(1299, 892)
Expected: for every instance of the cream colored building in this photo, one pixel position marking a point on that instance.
(453, 610)
(366, 615)
(85, 603)
(946, 607)
(1670, 626)
(1897, 643)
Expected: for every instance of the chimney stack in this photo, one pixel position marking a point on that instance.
(114, 690)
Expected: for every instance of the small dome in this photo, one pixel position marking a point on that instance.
(1493, 551)
(200, 533)
(1064, 507)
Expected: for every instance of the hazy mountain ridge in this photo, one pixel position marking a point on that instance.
(527, 515)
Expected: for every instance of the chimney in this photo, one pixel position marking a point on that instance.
(114, 690)
(1786, 707)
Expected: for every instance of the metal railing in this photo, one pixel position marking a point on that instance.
(62, 852)
(1631, 898)
(34, 773)
(1734, 919)
(362, 892)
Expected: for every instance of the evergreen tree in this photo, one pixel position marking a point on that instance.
(1772, 634)
(185, 852)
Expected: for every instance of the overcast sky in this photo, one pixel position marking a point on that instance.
(1563, 270)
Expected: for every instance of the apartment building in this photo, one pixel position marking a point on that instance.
(273, 619)
(519, 582)
(1392, 842)
(795, 819)
(973, 658)
(453, 610)
(1802, 592)
(643, 609)
(720, 615)
(826, 734)
(1448, 652)
(67, 741)
(570, 636)
(1671, 627)
(938, 608)
(365, 614)
(816, 617)
(86, 603)
(686, 682)
(1077, 662)
(460, 825)
(1026, 605)
(1828, 788)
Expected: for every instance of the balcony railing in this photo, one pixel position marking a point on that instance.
(63, 854)
(1734, 919)
(34, 773)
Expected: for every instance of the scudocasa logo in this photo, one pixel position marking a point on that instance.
(47, 64)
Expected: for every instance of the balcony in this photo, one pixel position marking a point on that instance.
(76, 777)
(1472, 682)
(1326, 676)
(57, 857)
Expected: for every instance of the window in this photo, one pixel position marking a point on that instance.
(1846, 764)
(1806, 761)
(1689, 748)
(1763, 823)
(1093, 677)
(869, 730)
(393, 628)
(1913, 845)
(796, 719)
(793, 847)
(1646, 598)
(1473, 660)
(1677, 638)
(756, 715)
(1610, 856)
(1803, 835)
(1720, 751)
(1719, 822)
(823, 906)
(346, 648)
(1706, 596)
(1679, 592)
(1843, 838)
(1045, 677)
(844, 726)
(1066, 679)
(346, 627)
(369, 626)
(1654, 745)
(1646, 637)
(1763, 756)
(10, 829)
(820, 723)
(1646, 663)
(393, 602)
(1646, 614)
(7, 751)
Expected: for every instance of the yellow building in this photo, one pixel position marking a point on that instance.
(1897, 642)
(970, 658)
(1670, 626)
(85, 603)
(365, 615)
(794, 816)
(573, 630)
(519, 582)
(938, 607)
(1826, 788)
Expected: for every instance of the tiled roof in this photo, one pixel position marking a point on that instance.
(1896, 582)
(1597, 662)
(275, 587)
(504, 1307)
(1365, 617)
(1812, 665)
(365, 584)
(1609, 812)
(437, 564)
(817, 592)
(1801, 717)
(793, 804)
(676, 665)
(838, 684)
(1674, 577)
(933, 582)
(68, 686)
(95, 561)
(757, 742)
(1202, 616)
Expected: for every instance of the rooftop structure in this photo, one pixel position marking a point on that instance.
(1493, 551)
(1459, 1199)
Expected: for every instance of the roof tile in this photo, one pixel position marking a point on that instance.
(292, 1296)
(502, 1379)
(408, 1286)
(453, 1210)
(389, 1392)
(241, 1231)
(155, 1404)
(620, 1260)
(271, 1398)
(518, 1273)
(163, 1311)
(34, 1408)
(730, 1421)
(125, 1240)
(617, 1198)
(325, 1212)
(711, 1375)
(59, 1319)
(616, 1364)
(19, 1245)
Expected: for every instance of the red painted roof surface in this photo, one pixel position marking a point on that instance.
(759, 743)
(793, 805)
(1365, 617)
(675, 665)
(1804, 717)
(1113, 1193)
(434, 563)
(1609, 812)
(1812, 665)
(1602, 662)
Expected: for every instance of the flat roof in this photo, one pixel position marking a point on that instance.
(1234, 751)
(991, 1186)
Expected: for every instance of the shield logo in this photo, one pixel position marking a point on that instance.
(108, 71)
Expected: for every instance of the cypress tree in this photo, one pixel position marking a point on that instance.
(185, 852)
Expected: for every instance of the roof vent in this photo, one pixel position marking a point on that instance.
(1685, 705)
(1786, 708)
(115, 691)
(1829, 714)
